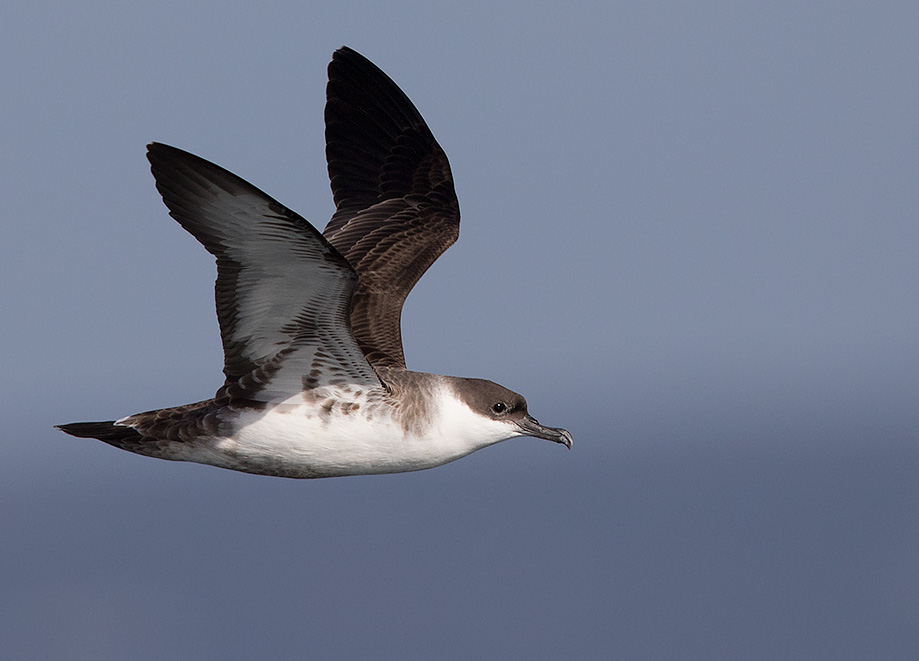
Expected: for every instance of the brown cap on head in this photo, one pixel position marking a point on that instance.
(493, 401)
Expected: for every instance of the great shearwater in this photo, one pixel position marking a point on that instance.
(316, 383)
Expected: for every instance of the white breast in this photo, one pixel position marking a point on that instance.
(330, 438)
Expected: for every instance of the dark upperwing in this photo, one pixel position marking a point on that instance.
(396, 209)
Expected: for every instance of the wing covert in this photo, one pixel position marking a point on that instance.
(282, 291)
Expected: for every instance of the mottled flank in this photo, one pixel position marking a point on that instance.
(410, 395)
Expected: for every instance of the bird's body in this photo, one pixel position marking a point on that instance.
(316, 383)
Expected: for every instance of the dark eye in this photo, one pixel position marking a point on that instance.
(499, 407)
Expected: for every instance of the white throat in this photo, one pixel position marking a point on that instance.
(463, 430)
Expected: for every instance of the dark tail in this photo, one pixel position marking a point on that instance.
(118, 435)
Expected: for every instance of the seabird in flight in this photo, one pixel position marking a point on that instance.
(316, 383)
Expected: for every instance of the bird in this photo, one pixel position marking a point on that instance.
(316, 383)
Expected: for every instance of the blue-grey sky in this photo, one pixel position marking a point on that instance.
(689, 236)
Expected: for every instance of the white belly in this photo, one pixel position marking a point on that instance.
(295, 442)
(296, 439)
(299, 441)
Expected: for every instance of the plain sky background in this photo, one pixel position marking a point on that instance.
(689, 236)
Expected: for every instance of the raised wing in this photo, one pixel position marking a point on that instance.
(282, 291)
(396, 209)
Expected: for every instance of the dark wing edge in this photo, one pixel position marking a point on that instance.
(396, 207)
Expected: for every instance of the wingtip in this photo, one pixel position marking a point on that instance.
(157, 151)
(162, 150)
(345, 51)
(347, 57)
